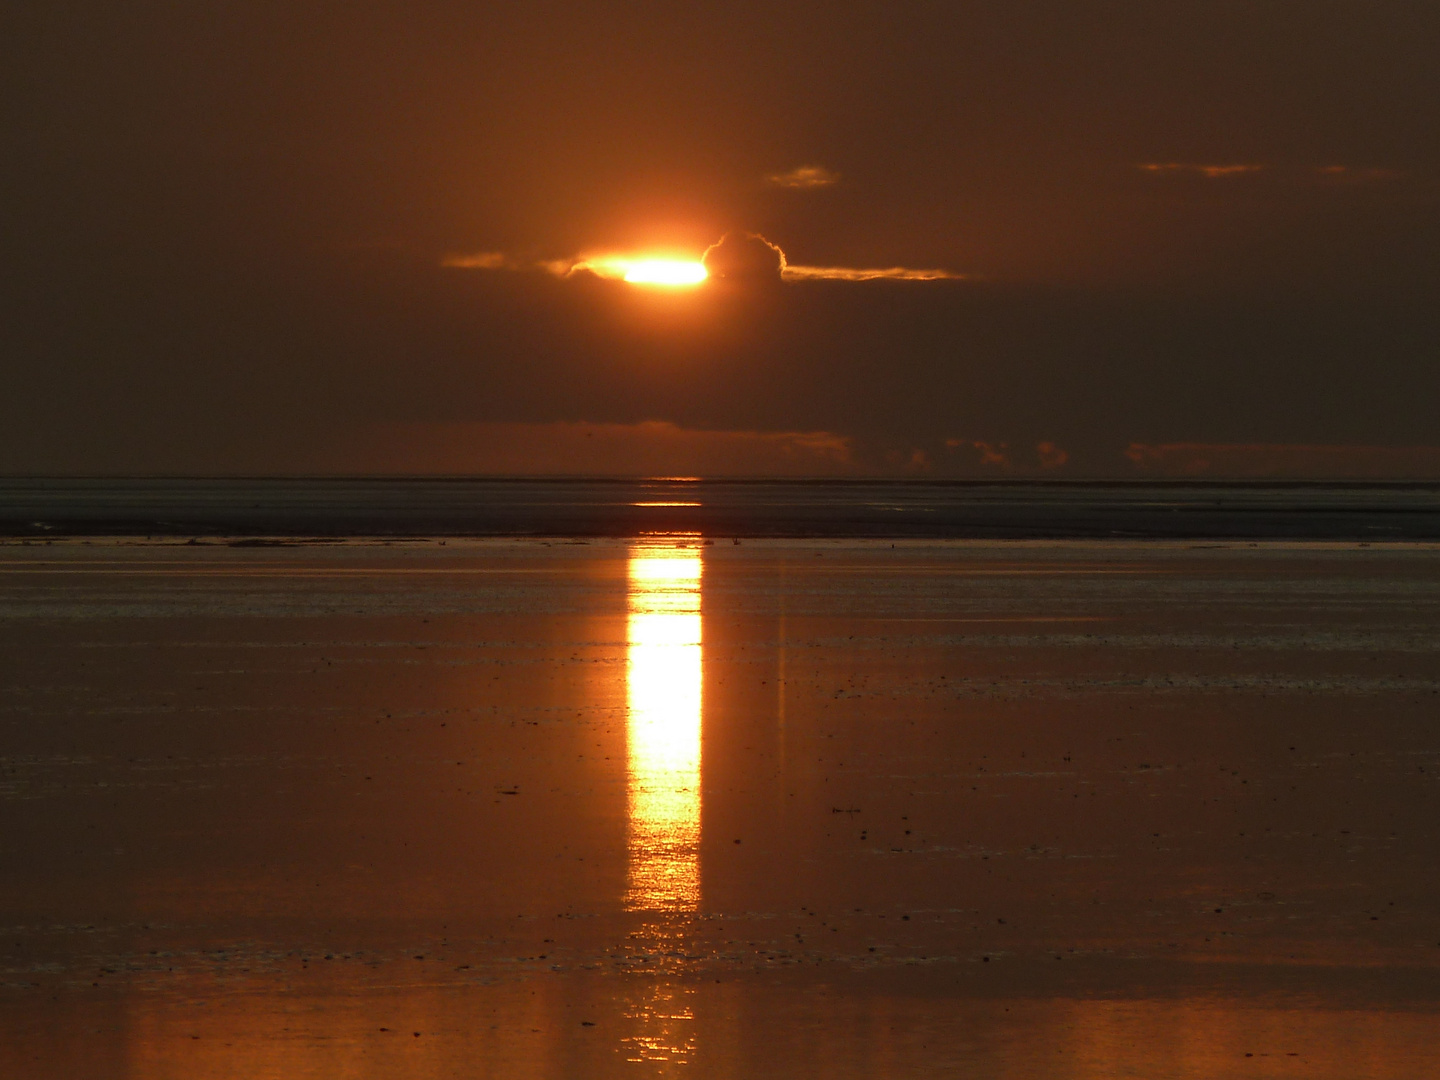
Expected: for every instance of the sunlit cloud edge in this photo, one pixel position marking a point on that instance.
(791, 272)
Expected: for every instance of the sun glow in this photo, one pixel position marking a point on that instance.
(665, 272)
(637, 270)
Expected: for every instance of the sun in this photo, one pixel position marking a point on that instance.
(669, 272)
(648, 270)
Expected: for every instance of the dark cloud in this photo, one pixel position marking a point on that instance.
(742, 256)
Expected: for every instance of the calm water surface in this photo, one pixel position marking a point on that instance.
(666, 808)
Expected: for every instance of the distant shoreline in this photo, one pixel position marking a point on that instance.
(330, 508)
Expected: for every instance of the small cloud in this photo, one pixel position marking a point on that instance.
(1050, 455)
(1347, 174)
(993, 453)
(1211, 172)
(480, 260)
(804, 178)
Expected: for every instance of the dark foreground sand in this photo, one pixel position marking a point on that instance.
(518, 809)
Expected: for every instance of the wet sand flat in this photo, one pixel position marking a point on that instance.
(782, 808)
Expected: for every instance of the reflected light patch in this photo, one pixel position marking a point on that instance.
(664, 579)
(663, 680)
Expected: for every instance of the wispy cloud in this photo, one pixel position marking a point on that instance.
(1334, 174)
(791, 272)
(1349, 174)
(1050, 455)
(804, 177)
(611, 266)
(614, 266)
(479, 260)
(1212, 172)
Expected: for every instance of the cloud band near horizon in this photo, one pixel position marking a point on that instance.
(735, 255)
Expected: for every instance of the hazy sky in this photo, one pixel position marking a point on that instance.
(332, 236)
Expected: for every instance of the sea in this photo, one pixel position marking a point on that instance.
(657, 778)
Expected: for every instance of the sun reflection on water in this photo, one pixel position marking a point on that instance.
(663, 749)
(663, 679)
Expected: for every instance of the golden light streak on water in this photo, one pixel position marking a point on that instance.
(663, 694)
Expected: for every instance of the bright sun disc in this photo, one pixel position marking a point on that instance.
(665, 272)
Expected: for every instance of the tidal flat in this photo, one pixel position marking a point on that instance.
(666, 807)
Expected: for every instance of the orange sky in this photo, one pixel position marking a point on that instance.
(242, 237)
